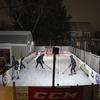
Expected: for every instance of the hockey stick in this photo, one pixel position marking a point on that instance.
(66, 69)
(47, 66)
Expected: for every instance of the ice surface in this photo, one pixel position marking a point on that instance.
(31, 76)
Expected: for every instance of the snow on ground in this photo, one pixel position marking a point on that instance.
(32, 76)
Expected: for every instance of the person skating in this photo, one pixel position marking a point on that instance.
(73, 65)
(40, 61)
(21, 63)
(15, 68)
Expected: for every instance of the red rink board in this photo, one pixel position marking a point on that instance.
(50, 93)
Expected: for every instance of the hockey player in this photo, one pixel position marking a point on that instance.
(15, 68)
(73, 64)
(21, 65)
(40, 61)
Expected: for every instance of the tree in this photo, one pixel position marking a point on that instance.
(46, 19)
(53, 21)
(97, 34)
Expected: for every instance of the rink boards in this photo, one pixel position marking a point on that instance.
(43, 77)
(58, 93)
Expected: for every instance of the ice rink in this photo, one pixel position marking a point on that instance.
(31, 76)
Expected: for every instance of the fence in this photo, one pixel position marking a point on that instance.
(8, 93)
(50, 43)
(90, 59)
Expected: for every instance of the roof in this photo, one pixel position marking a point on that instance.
(18, 37)
(15, 33)
(81, 26)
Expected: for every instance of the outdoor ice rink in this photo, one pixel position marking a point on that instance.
(31, 76)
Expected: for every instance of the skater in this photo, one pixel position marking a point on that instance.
(15, 68)
(73, 64)
(40, 61)
(21, 63)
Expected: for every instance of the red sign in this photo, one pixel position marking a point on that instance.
(50, 93)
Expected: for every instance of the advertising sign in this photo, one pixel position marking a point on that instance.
(46, 93)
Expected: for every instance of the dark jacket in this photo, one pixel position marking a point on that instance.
(73, 62)
(40, 59)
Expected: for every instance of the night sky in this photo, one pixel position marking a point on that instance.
(85, 10)
(81, 11)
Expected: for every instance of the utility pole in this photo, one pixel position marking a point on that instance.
(55, 51)
(84, 50)
(54, 63)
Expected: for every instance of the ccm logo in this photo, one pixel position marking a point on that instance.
(53, 96)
